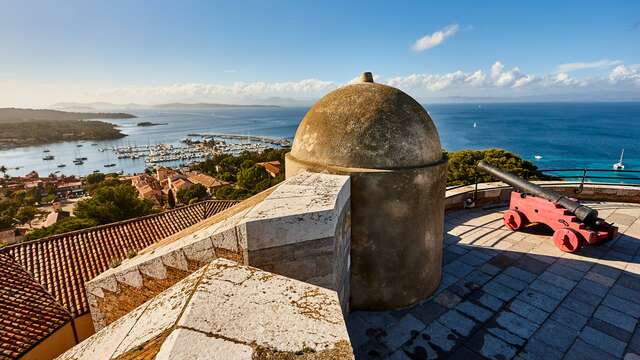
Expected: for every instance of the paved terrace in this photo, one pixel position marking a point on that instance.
(511, 295)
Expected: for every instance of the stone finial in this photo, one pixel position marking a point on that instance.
(366, 77)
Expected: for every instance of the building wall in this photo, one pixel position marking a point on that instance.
(54, 345)
(84, 326)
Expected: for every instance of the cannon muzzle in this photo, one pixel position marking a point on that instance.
(584, 213)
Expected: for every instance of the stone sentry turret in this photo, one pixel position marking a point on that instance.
(388, 144)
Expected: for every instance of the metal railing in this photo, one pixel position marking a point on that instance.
(581, 176)
(602, 176)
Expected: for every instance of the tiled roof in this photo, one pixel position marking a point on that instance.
(63, 263)
(206, 180)
(27, 312)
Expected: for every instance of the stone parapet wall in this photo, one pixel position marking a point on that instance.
(226, 310)
(301, 229)
(498, 192)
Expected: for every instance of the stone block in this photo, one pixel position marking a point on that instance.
(505, 335)
(487, 300)
(569, 318)
(438, 335)
(556, 335)
(603, 341)
(491, 347)
(528, 311)
(159, 315)
(518, 273)
(511, 282)
(311, 315)
(500, 291)
(188, 344)
(402, 331)
(474, 311)
(516, 324)
(583, 351)
(535, 350)
(130, 277)
(614, 317)
(257, 315)
(457, 322)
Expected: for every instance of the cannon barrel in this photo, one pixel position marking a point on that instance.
(584, 213)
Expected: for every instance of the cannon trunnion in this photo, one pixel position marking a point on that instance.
(574, 224)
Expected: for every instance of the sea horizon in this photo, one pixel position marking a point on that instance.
(564, 134)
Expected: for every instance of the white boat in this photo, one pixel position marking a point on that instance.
(620, 164)
(537, 157)
(475, 125)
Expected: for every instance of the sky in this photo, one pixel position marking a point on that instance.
(152, 52)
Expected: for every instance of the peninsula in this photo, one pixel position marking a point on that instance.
(148, 123)
(208, 106)
(26, 127)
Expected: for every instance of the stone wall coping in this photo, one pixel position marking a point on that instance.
(493, 190)
(178, 322)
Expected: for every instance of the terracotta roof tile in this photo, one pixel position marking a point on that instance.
(63, 263)
(28, 313)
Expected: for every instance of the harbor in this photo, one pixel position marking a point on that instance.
(196, 135)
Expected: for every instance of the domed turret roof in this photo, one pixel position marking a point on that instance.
(367, 125)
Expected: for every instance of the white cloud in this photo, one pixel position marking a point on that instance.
(302, 87)
(511, 78)
(563, 79)
(476, 79)
(497, 80)
(435, 39)
(625, 74)
(499, 77)
(569, 67)
(436, 82)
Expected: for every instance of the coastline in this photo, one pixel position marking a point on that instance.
(36, 133)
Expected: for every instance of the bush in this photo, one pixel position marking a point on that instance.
(463, 163)
(193, 193)
(253, 179)
(113, 203)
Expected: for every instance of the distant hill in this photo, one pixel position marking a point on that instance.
(206, 106)
(21, 115)
(105, 106)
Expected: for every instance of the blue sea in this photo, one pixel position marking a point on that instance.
(565, 135)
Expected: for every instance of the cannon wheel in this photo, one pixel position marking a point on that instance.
(566, 240)
(513, 219)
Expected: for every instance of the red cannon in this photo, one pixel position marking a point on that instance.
(569, 232)
(574, 224)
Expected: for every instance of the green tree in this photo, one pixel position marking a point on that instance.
(49, 198)
(247, 164)
(113, 203)
(3, 170)
(95, 178)
(26, 214)
(195, 192)
(230, 192)
(254, 179)
(462, 166)
(62, 226)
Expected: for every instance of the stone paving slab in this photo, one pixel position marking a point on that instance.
(507, 295)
